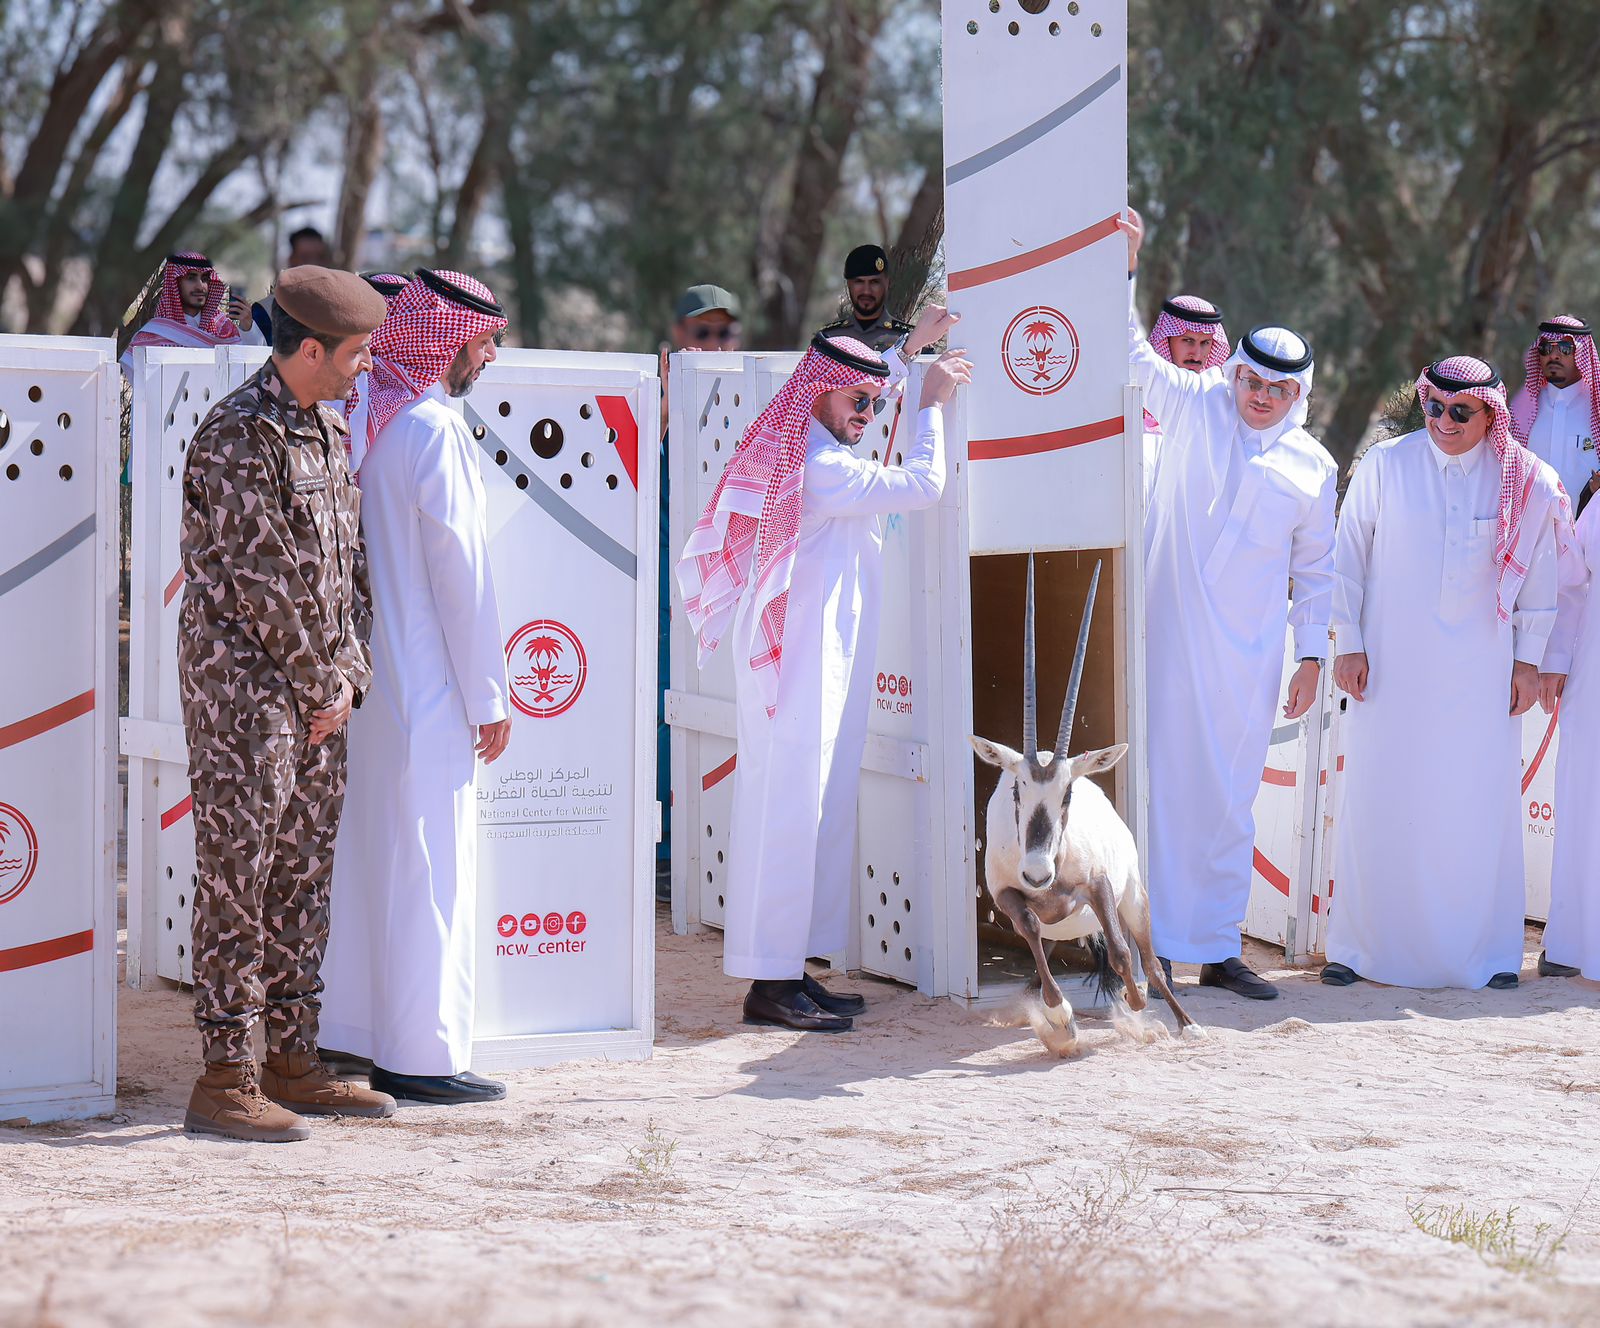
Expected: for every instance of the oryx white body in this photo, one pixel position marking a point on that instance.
(1099, 835)
(1059, 862)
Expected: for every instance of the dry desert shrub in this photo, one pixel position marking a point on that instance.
(1087, 1256)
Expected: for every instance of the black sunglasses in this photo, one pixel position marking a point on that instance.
(1459, 413)
(1566, 346)
(861, 404)
(724, 334)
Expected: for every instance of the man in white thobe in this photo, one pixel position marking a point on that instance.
(788, 557)
(1243, 502)
(400, 966)
(1556, 413)
(188, 310)
(1569, 676)
(1188, 332)
(1445, 596)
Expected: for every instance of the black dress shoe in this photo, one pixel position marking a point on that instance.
(1339, 975)
(834, 1002)
(786, 1005)
(1548, 968)
(436, 1089)
(1502, 982)
(1235, 976)
(343, 1063)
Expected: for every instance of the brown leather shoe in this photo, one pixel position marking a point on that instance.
(302, 1082)
(227, 1100)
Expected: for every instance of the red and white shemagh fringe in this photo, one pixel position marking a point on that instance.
(215, 326)
(765, 475)
(1169, 325)
(417, 342)
(1519, 473)
(1533, 383)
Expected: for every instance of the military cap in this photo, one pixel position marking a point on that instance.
(327, 300)
(705, 299)
(865, 260)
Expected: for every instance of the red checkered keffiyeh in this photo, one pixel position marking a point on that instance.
(1526, 407)
(417, 342)
(754, 515)
(1170, 322)
(170, 326)
(1520, 470)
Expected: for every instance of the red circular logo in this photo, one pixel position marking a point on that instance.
(530, 924)
(553, 923)
(508, 925)
(19, 852)
(547, 666)
(576, 922)
(1040, 350)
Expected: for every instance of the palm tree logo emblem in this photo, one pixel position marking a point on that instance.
(19, 852)
(1040, 350)
(548, 668)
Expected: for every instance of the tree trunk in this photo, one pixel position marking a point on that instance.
(911, 256)
(70, 95)
(363, 155)
(117, 266)
(526, 287)
(61, 230)
(474, 191)
(847, 58)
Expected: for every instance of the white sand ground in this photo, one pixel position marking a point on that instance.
(932, 1167)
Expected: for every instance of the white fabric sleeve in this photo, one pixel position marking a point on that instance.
(899, 369)
(1311, 567)
(455, 545)
(1533, 616)
(1352, 552)
(1169, 392)
(1572, 598)
(839, 483)
(251, 336)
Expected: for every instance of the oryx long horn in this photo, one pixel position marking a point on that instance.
(1069, 711)
(1030, 680)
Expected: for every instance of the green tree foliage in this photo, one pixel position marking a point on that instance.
(1401, 181)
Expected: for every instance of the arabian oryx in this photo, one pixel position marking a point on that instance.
(1060, 863)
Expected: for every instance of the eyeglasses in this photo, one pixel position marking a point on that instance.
(1277, 391)
(1565, 346)
(862, 404)
(1458, 412)
(722, 335)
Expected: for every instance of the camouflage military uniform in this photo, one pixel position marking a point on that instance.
(879, 334)
(275, 611)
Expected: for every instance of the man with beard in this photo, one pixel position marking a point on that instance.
(787, 559)
(401, 961)
(271, 657)
(1189, 334)
(188, 296)
(866, 279)
(1556, 414)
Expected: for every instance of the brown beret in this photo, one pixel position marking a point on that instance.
(327, 300)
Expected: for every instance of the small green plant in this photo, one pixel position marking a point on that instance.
(1493, 1236)
(654, 1159)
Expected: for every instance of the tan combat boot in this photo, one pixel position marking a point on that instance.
(301, 1081)
(227, 1100)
